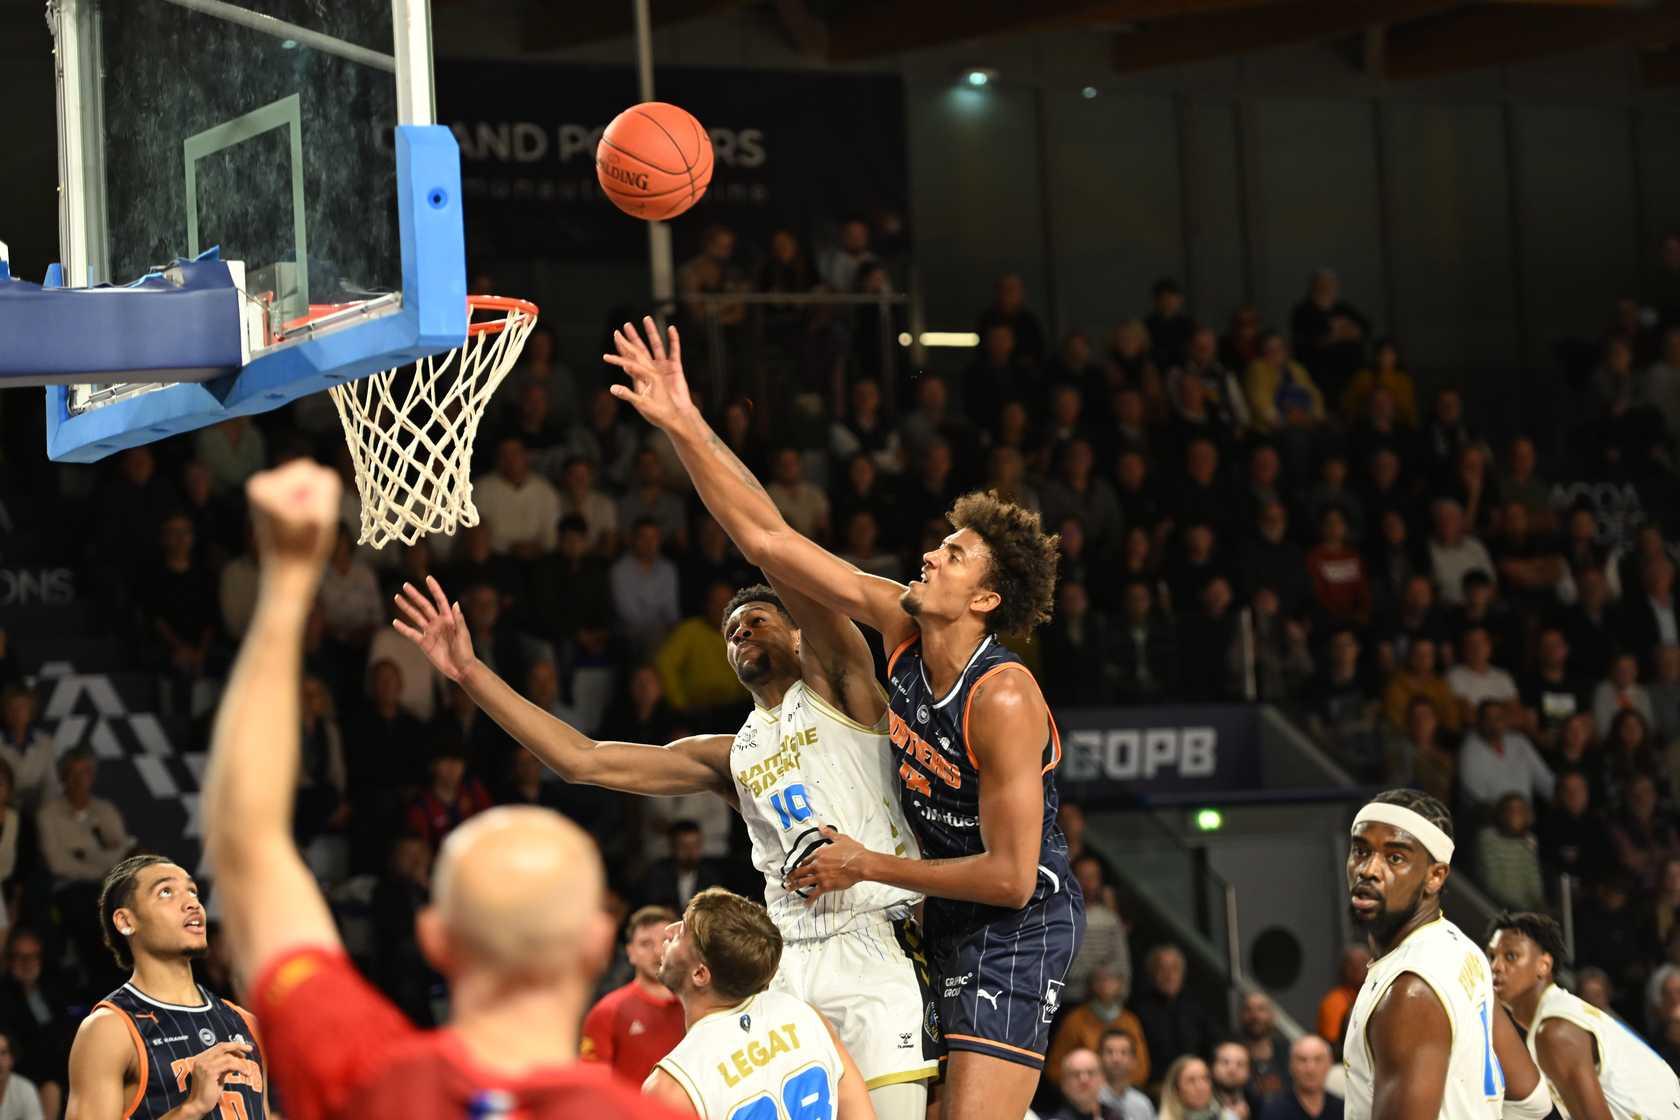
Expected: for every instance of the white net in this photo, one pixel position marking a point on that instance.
(411, 430)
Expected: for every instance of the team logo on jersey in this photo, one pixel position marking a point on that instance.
(922, 714)
(1052, 999)
(907, 1041)
(930, 1022)
(746, 1022)
(636, 1028)
(989, 997)
(207, 1036)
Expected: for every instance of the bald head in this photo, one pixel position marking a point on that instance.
(1309, 1063)
(517, 895)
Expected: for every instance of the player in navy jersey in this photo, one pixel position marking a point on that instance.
(975, 742)
(161, 1045)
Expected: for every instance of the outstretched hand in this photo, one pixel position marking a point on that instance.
(658, 389)
(438, 628)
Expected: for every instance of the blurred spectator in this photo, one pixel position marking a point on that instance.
(713, 559)
(1662, 382)
(861, 488)
(1009, 308)
(1621, 692)
(1627, 753)
(650, 498)
(1419, 679)
(182, 616)
(926, 493)
(1332, 492)
(1329, 333)
(1078, 490)
(1081, 1081)
(1074, 643)
(1231, 1071)
(1386, 372)
(1130, 366)
(711, 272)
(1309, 1069)
(1529, 563)
(400, 969)
(1105, 943)
(1280, 392)
(27, 748)
(641, 715)
(452, 796)
(693, 663)
(1220, 386)
(233, 451)
(1483, 606)
(129, 506)
(1187, 1091)
(1522, 485)
(998, 373)
(1282, 662)
(865, 430)
(1070, 818)
(1240, 343)
(1644, 835)
(351, 603)
(383, 763)
(579, 498)
(1453, 553)
(1119, 1056)
(1475, 678)
(1270, 559)
(1577, 750)
(672, 881)
(1665, 696)
(34, 1014)
(1607, 934)
(1173, 1023)
(1006, 473)
(237, 589)
(1169, 323)
(1593, 986)
(540, 368)
(1424, 759)
(1145, 660)
(1337, 1004)
(1267, 1050)
(1551, 695)
(571, 596)
(1446, 434)
(1341, 706)
(1648, 615)
(799, 500)
(1415, 617)
(1589, 625)
(82, 837)
(521, 508)
(1574, 840)
(1104, 1010)
(1338, 574)
(1508, 856)
(1210, 668)
(322, 774)
(19, 1099)
(839, 264)
(862, 548)
(644, 588)
(1495, 761)
(11, 829)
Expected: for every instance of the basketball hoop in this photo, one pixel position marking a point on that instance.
(411, 430)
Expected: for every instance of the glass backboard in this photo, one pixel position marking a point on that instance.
(280, 133)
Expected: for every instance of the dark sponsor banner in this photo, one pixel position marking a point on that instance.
(1113, 754)
(791, 148)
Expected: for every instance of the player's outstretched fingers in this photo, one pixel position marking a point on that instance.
(439, 599)
(656, 344)
(418, 605)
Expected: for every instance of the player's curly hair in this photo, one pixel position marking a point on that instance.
(1422, 804)
(757, 593)
(1542, 930)
(1024, 559)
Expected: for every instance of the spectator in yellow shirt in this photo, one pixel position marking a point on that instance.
(1420, 679)
(1280, 391)
(1384, 373)
(692, 663)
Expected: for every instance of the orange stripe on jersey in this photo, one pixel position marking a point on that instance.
(142, 1060)
(999, 1045)
(892, 658)
(968, 702)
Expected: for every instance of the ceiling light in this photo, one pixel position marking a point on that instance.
(1088, 92)
(963, 340)
(979, 76)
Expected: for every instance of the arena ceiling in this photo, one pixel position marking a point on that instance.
(1398, 39)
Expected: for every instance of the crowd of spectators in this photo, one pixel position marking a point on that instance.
(1247, 513)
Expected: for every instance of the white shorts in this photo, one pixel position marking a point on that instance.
(872, 982)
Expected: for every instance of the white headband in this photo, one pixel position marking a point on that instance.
(1437, 843)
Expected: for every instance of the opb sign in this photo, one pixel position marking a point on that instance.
(1112, 753)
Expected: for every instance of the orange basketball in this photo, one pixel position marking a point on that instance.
(654, 161)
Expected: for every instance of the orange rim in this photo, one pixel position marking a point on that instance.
(475, 304)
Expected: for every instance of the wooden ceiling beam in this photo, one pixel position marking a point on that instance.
(1502, 34)
(1197, 38)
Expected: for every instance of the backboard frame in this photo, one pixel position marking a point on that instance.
(429, 316)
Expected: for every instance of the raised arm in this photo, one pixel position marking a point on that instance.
(659, 391)
(698, 764)
(1411, 1041)
(270, 902)
(1007, 736)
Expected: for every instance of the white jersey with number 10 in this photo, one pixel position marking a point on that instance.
(1456, 969)
(805, 765)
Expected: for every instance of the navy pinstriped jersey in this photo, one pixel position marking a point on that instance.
(939, 778)
(168, 1038)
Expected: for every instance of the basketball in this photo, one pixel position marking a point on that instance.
(654, 161)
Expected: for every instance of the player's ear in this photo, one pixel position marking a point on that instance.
(433, 939)
(985, 600)
(1436, 881)
(702, 976)
(123, 918)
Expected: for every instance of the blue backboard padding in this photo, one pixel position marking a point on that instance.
(433, 318)
(104, 335)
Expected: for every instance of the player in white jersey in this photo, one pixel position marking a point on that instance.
(1425, 1039)
(1595, 1067)
(751, 1053)
(813, 752)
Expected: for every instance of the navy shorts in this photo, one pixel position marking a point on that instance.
(1000, 985)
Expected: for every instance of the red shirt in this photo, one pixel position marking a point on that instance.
(630, 1031)
(433, 819)
(338, 1049)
